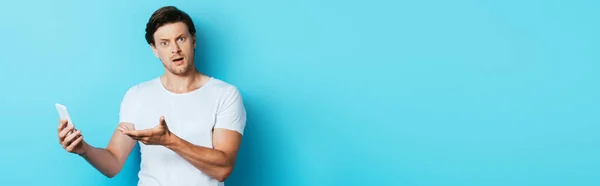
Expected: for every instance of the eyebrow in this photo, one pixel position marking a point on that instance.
(178, 36)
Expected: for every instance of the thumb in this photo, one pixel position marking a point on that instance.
(162, 121)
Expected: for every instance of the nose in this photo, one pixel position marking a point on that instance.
(175, 48)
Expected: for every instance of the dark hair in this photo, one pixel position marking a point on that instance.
(166, 15)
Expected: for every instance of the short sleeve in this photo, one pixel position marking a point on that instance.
(231, 113)
(126, 113)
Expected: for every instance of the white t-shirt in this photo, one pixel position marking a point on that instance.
(191, 116)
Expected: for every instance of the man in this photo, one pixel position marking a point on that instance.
(189, 126)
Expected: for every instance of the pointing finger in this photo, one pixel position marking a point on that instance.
(138, 133)
(61, 124)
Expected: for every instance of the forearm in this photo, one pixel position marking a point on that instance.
(103, 160)
(212, 162)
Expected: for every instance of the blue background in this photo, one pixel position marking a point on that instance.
(417, 93)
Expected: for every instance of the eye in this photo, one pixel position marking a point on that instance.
(181, 39)
(164, 43)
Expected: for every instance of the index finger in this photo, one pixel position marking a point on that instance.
(62, 124)
(138, 133)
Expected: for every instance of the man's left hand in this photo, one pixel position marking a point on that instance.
(159, 135)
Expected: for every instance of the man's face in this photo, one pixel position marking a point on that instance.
(174, 45)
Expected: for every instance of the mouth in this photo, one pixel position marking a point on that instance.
(178, 61)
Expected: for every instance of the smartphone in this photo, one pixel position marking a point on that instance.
(63, 113)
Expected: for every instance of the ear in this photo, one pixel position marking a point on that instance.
(194, 40)
(154, 50)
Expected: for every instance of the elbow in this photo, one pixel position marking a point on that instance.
(111, 174)
(224, 174)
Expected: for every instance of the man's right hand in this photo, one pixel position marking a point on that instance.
(71, 139)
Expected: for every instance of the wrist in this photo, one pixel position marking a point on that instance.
(85, 148)
(171, 141)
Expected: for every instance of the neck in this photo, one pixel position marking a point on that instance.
(183, 83)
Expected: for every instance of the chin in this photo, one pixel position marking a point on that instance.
(180, 70)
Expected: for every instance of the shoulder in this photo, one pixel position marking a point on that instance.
(145, 86)
(226, 93)
(222, 87)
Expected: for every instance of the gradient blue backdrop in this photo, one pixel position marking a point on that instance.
(416, 93)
